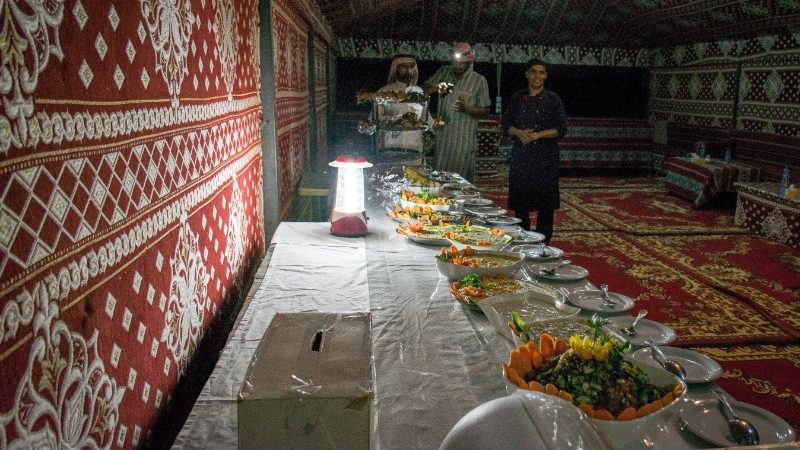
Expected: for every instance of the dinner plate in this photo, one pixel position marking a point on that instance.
(440, 241)
(645, 329)
(699, 367)
(593, 301)
(527, 237)
(477, 201)
(563, 273)
(504, 220)
(533, 252)
(704, 418)
(486, 210)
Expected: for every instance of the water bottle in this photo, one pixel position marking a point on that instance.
(784, 182)
(727, 156)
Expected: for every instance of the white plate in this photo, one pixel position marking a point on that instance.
(538, 303)
(699, 367)
(704, 418)
(487, 211)
(528, 237)
(593, 301)
(504, 220)
(532, 252)
(645, 329)
(441, 242)
(563, 273)
(477, 201)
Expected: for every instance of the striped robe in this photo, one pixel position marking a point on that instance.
(457, 141)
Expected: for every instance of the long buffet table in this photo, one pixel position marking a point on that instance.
(434, 359)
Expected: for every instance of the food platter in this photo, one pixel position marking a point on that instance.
(538, 305)
(471, 290)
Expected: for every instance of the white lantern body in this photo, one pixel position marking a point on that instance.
(349, 218)
(350, 190)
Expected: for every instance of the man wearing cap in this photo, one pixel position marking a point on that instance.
(468, 101)
(403, 75)
(536, 119)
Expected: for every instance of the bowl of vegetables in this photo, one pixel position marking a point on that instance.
(455, 264)
(593, 373)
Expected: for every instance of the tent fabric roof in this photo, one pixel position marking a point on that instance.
(587, 23)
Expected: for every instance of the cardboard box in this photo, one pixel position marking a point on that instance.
(309, 385)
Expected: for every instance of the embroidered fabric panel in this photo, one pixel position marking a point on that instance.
(290, 47)
(697, 84)
(130, 196)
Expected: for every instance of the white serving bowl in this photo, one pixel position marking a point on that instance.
(637, 432)
(454, 272)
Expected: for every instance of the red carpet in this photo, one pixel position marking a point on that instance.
(700, 314)
(648, 211)
(762, 273)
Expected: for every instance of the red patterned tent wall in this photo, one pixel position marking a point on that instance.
(130, 203)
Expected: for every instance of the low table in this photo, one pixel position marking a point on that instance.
(759, 208)
(701, 183)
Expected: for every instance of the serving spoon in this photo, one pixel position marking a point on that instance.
(631, 330)
(742, 431)
(552, 270)
(671, 366)
(607, 300)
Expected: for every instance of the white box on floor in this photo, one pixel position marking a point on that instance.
(310, 384)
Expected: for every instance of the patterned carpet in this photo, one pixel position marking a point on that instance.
(726, 292)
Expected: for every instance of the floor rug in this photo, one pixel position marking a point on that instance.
(674, 296)
(763, 273)
(764, 375)
(650, 211)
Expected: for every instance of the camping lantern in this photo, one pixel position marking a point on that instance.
(348, 217)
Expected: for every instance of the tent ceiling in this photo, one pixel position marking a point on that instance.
(587, 23)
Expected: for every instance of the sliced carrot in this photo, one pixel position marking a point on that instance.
(516, 361)
(513, 328)
(603, 414)
(536, 356)
(586, 408)
(561, 346)
(535, 386)
(565, 395)
(677, 391)
(551, 389)
(525, 362)
(647, 409)
(628, 413)
(667, 398)
(547, 345)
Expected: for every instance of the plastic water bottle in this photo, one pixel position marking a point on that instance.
(727, 156)
(784, 182)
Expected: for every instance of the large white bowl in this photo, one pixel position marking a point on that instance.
(636, 433)
(454, 272)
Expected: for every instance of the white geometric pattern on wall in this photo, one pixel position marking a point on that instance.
(30, 32)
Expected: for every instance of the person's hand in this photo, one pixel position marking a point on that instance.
(459, 106)
(443, 87)
(437, 124)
